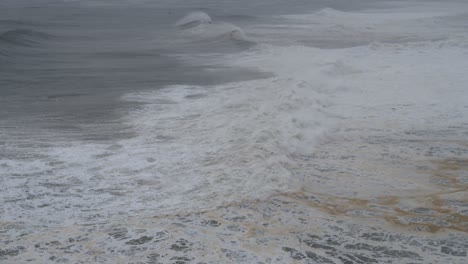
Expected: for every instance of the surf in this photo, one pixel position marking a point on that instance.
(200, 25)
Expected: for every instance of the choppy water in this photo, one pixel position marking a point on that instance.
(112, 111)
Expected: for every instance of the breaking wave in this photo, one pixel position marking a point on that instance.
(196, 147)
(194, 19)
(199, 25)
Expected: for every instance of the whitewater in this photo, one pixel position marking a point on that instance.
(229, 133)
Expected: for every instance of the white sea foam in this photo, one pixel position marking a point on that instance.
(197, 148)
(200, 147)
(330, 28)
(395, 109)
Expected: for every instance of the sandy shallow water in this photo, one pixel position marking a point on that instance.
(423, 226)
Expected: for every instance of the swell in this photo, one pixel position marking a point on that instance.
(16, 40)
(24, 37)
(13, 22)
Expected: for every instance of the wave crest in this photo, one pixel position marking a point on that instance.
(200, 25)
(194, 19)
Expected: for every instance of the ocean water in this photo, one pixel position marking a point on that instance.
(112, 111)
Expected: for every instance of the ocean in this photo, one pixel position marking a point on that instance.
(137, 130)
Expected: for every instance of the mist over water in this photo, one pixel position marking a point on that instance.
(116, 111)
